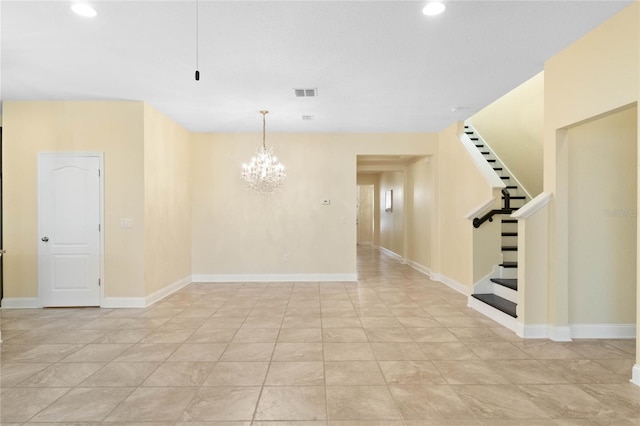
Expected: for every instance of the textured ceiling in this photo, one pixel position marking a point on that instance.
(379, 66)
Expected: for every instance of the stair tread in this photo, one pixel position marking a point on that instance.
(509, 248)
(517, 197)
(509, 220)
(511, 283)
(504, 177)
(509, 264)
(509, 234)
(499, 303)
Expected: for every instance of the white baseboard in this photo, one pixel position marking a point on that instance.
(164, 292)
(603, 331)
(420, 268)
(560, 334)
(123, 302)
(20, 302)
(450, 282)
(579, 331)
(635, 375)
(391, 253)
(143, 302)
(237, 278)
(534, 331)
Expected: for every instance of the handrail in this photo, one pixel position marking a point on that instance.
(489, 216)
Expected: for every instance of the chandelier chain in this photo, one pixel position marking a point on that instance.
(264, 173)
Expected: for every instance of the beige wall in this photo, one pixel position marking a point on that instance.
(594, 76)
(392, 223)
(373, 179)
(602, 227)
(366, 209)
(237, 232)
(513, 127)
(114, 128)
(461, 189)
(421, 205)
(167, 201)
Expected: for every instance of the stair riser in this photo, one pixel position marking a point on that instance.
(509, 241)
(509, 227)
(508, 272)
(505, 293)
(509, 256)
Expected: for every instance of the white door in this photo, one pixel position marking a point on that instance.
(69, 210)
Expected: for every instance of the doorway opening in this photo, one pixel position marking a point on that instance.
(602, 219)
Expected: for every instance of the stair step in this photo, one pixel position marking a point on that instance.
(491, 161)
(497, 168)
(474, 139)
(517, 197)
(469, 132)
(509, 264)
(504, 177)
(509, 220)
(509, 248)
(511, 283)
(485, 152)
(509, 234)
(511, 186)
(499, 303)
(479, 145)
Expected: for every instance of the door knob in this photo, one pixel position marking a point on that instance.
(45, 239)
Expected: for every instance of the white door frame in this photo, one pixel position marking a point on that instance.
(100, 156)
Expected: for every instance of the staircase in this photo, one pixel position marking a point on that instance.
(504, 292)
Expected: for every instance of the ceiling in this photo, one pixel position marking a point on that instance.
(378, 66)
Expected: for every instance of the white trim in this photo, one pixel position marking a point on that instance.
(505, 292)
(100, 155)
(481, 209)
(420, 268)
(560, 334)
(534, 331)
(603, 331)
(635, 375)
(166, 291)
(237, 278)
(485, 169)
(498, 316)
(532, 206)
(20, 302)
(450, 282)
(391, 253)
(504, 166)
(143, 302)
(123, 302)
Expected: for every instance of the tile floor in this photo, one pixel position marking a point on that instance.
(392, 349)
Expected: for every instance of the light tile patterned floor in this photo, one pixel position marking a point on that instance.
(392, 349)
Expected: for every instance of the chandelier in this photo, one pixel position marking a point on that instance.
(264, 174)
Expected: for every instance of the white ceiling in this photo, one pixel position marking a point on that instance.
(379, 66)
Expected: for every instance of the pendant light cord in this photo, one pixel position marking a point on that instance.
(197, 40)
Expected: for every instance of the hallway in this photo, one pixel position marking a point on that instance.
(392, 349)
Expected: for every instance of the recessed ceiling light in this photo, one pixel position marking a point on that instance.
(434, 8)
(84, 9)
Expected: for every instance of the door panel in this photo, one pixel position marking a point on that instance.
(69, 224)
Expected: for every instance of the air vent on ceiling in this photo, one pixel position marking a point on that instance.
(307, 117)
(305, 93)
